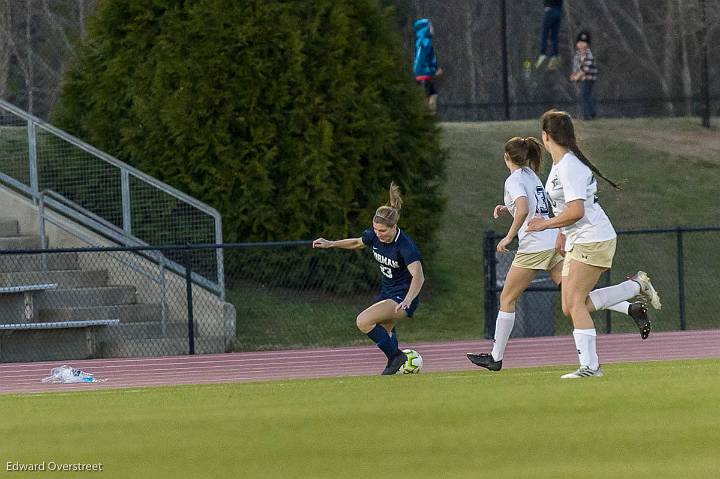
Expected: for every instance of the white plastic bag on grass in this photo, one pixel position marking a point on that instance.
(66, 374)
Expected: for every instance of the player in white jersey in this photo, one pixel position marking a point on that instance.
(588, 238)
(524, 198)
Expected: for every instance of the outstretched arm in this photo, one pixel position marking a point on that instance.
(349, 243)
(418, 278)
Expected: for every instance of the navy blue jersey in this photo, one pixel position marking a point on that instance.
(393, 258)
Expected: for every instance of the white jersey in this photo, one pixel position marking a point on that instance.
(524, 182)
(570, 179)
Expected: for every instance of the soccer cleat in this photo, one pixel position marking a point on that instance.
(583, 372)
(638, 312)
(647, 291)
(394, 364)
(485, 360)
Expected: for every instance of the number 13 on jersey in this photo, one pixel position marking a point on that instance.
(542, 206)
(386, 271)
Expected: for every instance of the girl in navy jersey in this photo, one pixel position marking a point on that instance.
(402, 278)
(588, 239)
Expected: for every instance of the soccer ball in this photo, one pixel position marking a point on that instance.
(413, 362)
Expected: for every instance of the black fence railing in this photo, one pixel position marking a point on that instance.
(452, 111)
(76, 303)
(683, 264)
(61, 304)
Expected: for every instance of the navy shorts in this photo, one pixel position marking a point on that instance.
(399, 299)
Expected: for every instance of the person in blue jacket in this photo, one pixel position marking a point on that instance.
(402, 278)
(425, 66)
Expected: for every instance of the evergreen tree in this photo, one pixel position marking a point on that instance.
(290, 117)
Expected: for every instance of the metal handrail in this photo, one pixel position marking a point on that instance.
(113, 233)
(95, 222)
(112, 160)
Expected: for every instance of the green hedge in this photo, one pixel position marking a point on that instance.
(289, 117)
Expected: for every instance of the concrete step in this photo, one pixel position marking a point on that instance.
(47, 345)
(63, 278)
(9, 227)
(126, 313)
(36, 262)
(20, 242)
(159, 347)
(66, 344)
(143, 347)
(143, 330)
(85, 297)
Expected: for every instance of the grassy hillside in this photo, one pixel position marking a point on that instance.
(669, 169)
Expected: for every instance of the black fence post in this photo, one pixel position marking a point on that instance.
(681, 278)
(188, 289)
(505, 73)
(704, 68)
(491, 300)
(608, 316)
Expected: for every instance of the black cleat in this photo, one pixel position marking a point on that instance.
(638, 312)
(394, 364)
(485, 360)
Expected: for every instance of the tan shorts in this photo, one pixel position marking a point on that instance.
(598, 254)
(542, 260)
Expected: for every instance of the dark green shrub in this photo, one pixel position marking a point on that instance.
(289, 117)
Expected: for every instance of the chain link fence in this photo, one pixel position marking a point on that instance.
(680, 262)
(288, 295)
(650, 56)
(103, 194)
(124, 301)
(106, 302)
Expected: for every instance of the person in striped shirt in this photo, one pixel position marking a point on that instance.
(584, 74)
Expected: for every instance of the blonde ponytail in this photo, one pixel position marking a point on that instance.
(395, 199)
(389, 214)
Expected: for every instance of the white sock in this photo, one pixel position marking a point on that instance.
(603, 298)
(503, 328)
(586, 347)
(622, 307)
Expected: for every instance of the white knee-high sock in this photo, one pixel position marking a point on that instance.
(622, 307)
(585, 341)
(503, 328)
(604, 298)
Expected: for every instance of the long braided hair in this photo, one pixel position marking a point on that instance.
(559, 126)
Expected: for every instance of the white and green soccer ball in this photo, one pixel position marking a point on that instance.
(413, 362)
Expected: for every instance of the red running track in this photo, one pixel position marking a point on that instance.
(350, 361)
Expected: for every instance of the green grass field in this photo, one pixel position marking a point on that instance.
(642, 420)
